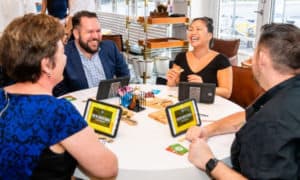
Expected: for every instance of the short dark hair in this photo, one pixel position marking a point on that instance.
(77, 17)
(209, 25)
(25, 42)
(283, 43)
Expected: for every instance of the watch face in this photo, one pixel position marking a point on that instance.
(211, 164)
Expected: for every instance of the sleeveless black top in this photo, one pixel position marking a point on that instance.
(53, 166)
(208, 73)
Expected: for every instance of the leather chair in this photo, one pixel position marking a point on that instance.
(227, 47)
(117, 38)
(245, 89)
(247, 63)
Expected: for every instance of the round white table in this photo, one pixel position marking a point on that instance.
(141, 149)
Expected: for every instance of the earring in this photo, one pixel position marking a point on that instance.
(49, 75)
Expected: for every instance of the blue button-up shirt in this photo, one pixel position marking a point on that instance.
(93, 68)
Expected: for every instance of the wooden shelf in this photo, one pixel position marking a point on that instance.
(164, 20)
(163, 43)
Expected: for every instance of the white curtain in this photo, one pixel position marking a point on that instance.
(79, 5)
(10, 9)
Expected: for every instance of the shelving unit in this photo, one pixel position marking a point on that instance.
(152, 47)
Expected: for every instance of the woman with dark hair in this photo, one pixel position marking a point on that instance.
(202, 64)
(43, 137)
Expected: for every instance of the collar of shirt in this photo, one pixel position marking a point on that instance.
(82, 56)
(261, 101)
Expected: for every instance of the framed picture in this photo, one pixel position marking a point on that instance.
(103, 117)
(202, 92)
(182, 115)
(109, 88)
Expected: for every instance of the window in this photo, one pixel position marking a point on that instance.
(237, 20)
(286, 11)
(137, 7)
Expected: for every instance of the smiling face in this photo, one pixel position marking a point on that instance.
(88, 35)
(198, 35)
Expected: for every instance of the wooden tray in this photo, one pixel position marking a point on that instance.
(164, 20)
(159, 116)
(163, 43)
(158, 103)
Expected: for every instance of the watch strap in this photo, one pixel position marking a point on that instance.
(210, 165)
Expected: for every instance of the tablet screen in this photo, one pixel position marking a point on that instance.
(103, 117)
(182, 115)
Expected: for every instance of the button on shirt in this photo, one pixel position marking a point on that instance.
(93, 69)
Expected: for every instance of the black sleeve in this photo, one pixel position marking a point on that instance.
(222, 61)
(179, 59)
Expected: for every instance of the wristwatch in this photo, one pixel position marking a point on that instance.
(210, 165)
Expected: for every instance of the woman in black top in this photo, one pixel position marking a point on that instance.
(202, 64)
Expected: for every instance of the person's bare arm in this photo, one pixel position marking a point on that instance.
(93, 157)
(224, 77)
(229, 124)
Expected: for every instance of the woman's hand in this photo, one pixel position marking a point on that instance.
(173, 75)
(194, 78)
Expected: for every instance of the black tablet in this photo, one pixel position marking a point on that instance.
(202, 92)
(103, 117)
(182, 116)
(109, 88)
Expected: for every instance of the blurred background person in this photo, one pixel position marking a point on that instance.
(202, 64)
(57, 8)
(43, 137)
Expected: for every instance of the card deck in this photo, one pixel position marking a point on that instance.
(177, 149)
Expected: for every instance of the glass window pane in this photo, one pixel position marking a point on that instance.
(237, 20)
(106, 5)
(286, 11)
(121, 7)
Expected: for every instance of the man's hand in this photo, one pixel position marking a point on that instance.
(199, 153)
(195, 132)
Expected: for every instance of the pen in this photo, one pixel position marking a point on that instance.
(204, 115)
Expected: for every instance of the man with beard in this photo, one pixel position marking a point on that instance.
(267, 144)
(89, 59)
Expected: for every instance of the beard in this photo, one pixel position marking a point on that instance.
(86, 47)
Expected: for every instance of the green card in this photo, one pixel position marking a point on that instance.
(177, 149)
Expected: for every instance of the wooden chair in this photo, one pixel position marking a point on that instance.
(227, 47)
(117, 38)
(245, 89)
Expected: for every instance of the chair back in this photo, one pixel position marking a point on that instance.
(117, 38)
(227, 47)
(245, 89)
